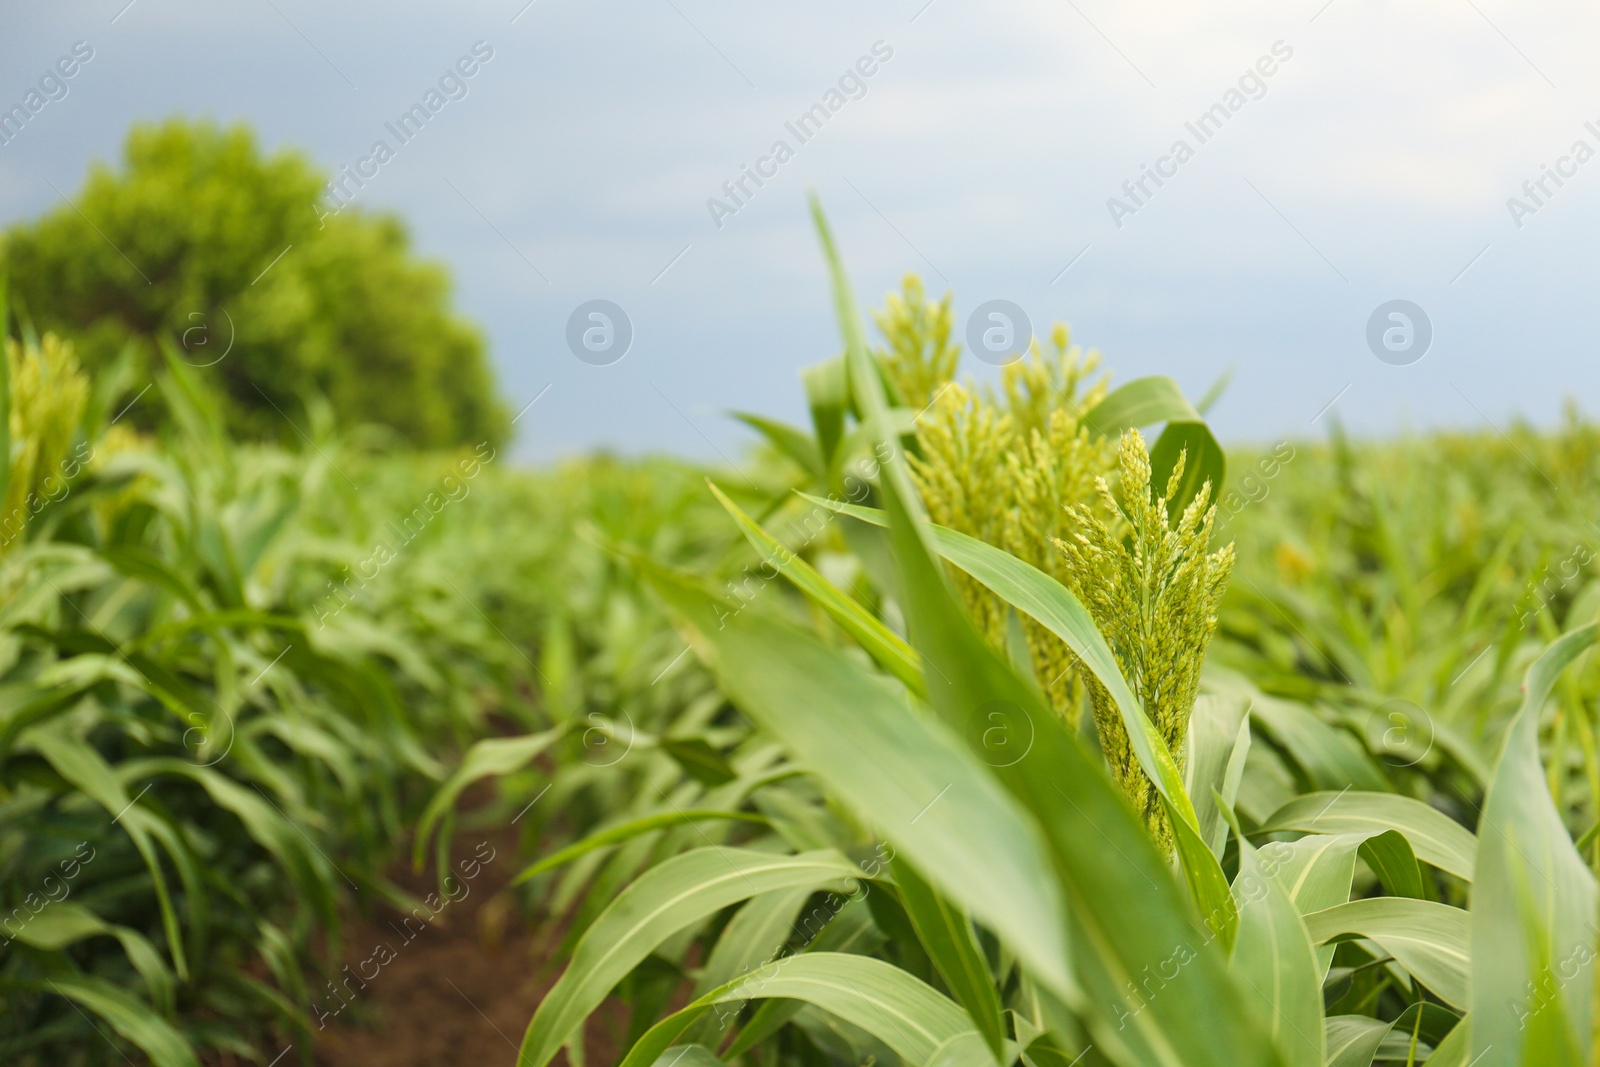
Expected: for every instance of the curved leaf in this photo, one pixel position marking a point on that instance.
(1427, 939)
(1533, 897)
(665, 899)
(904, 1013)
(1434, 837)
(886, 647)
(485, 759)
(1142, 402)
(948, 937)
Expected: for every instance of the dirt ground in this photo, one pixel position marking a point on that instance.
(457, 992)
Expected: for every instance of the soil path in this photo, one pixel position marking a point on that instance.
(456, 992)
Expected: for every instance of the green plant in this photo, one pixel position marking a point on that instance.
(202, 238)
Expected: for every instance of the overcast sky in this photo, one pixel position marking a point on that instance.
(1374, 163)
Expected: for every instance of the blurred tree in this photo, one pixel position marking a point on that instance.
(202, 239)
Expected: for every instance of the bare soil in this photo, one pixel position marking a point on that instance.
(457, 992)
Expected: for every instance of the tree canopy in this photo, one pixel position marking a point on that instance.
(205, 241)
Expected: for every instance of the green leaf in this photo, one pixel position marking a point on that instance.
(906, 1014)
(1142, 402)
(87, 770)
(1533, 897)
(948, 937)
(886, 647)
(902, 771)
(1353, 1040)
(828, 395)
(787, 440)
(64, 923)
(1275, 962)
(1429, 940)
(667, 898)
(134, 1020)
(1218, 740)
(489, 758)
(1391, 859)
(307, 866)
(755, 936)
(1203, 464)
(688, 1056)
(851, 929)
(699, 760)
(1434, 837)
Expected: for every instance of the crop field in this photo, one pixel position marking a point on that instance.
(969, 725)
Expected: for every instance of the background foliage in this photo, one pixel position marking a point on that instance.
(178, 243)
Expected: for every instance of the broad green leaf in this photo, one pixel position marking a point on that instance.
(1533, 898)
(755, 936)
(1429, 940)
(1203, 465)
(1353, 1040)
(1275, 963)
(902, 771)
(667, 898)
(947, 935)
(65, 923)
(88, 771)
(887, 648)
(1434, 837)
(128, 1016)
(851, 929)
(1391, 859)
(1218, 739)
(906, 1014)
(1142, 402)
(1315, 872)
(688, 1056)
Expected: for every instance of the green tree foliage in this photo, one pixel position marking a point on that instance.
(182, 242)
